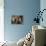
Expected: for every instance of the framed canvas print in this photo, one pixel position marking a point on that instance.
(16, 19)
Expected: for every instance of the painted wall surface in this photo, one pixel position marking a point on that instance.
(1, 20)
(27, 8)
(43, 6)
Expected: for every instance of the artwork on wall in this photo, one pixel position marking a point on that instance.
(16, 19)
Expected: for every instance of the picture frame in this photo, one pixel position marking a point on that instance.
(16, 19)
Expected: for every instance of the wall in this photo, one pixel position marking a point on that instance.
(1, 20)
(43, 6)
(27, 8)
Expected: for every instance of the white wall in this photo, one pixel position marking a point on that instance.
(43, 6)
(1, 20)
